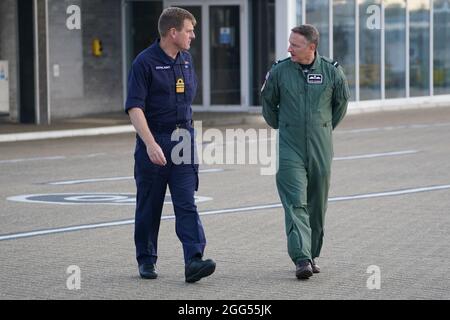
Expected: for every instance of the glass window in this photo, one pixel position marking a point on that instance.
(196, 51)
(298, 10)
(263, 43)
(369, 49)
(344, 39)
(224, 28)
(395, 48)
(317, 14)
(419, 47)
(441, 44)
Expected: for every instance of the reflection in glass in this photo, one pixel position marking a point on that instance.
(317, 14)
(344, 39)
(263, 45)
(419, 47)
(196, 51)
(298, 10)
(225, 55)
(441, 32)
(395, 48)
(369, 51)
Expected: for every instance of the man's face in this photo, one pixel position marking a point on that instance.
(299, 48)
(184, 37)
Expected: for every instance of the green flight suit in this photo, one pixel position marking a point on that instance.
(305, 107)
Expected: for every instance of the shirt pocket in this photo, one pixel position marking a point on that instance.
(163, 82)
(190, 83)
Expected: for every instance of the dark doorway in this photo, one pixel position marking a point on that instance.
(263, 44)
(27, 101)
(142, 26)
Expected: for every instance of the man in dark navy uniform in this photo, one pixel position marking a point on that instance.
(161, 87)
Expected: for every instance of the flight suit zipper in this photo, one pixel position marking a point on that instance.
(307, 118)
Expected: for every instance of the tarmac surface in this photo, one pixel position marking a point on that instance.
(70, 202)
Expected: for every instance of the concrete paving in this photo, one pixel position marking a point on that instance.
(388, 215)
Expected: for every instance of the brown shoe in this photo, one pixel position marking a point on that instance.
(315, 267)
(303, 269)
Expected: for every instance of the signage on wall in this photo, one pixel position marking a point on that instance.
(226, 36)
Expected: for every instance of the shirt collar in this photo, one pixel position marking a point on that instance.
(316, 64)
(317, 61)
(164, 57)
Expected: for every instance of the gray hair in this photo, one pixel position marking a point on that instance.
(309, 32)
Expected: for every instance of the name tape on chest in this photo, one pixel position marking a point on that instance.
(162, 67)
(314, 78)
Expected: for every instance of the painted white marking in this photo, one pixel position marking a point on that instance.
(65, 229)
(389, 128)
(391, 193)
(57, 134)
(27, 136)
(90, 198)
(93, 155)
(51, 158)
(222, 211)
(210, 170)
(69, 182)
(376, 155)
(90, 180)
(32, 159)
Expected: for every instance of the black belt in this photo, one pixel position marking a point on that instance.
(169, 127)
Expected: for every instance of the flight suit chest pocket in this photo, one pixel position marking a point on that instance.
(321, 97)
(292, 90)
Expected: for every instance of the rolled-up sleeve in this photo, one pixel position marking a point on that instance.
(138, 85)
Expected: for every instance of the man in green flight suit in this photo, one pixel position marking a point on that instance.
(305, 97)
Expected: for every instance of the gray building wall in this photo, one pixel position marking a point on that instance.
(8, 49)
(86, 84)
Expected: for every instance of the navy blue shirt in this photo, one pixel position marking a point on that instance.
(152, 86)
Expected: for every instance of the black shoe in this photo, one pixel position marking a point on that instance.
(198, 268)
(303, 269)
(147, 271)
(315, 267)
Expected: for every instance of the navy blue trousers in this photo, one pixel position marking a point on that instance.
(151, 182)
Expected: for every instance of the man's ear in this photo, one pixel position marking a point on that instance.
(172, 32)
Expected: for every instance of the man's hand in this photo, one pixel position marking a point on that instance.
(139, 122)
(156, 154)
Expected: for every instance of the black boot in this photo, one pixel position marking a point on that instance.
(198, 268)
(147, 271)
(303, 269)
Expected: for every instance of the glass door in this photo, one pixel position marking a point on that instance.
(196, 50)
(225, 59)
(218, 51)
